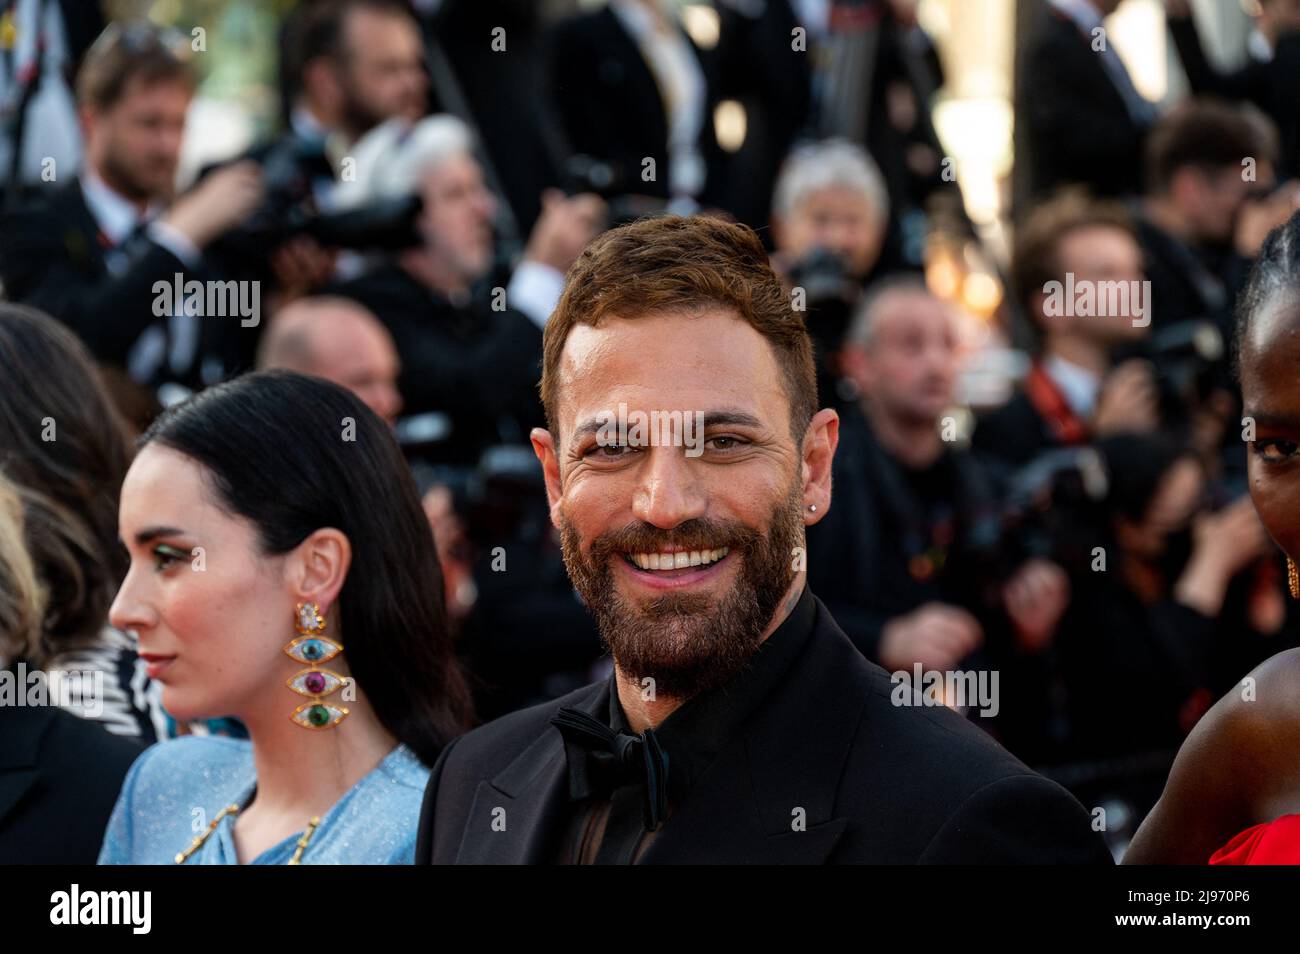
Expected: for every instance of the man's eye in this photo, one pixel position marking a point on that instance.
(726, 443)
(611, 451)
(1276, 451)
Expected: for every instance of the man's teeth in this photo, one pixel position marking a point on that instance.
(676, 561)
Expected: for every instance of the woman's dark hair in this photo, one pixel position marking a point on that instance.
(292, 454)
(1136, 463)
(1276, 271)
(65, 447)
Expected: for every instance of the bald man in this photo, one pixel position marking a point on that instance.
(341, 341)
(904, 567)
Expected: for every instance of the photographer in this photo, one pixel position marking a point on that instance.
(1129, 669)
(89, 251)
(347, 66)
(909, 560)
(1211, 199)
(1072, 392)
(470, 351)
(830, 216)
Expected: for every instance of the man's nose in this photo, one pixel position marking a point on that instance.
(668, 492)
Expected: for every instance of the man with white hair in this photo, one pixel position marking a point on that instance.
(830, 196)
(469, 349)
(830, 217)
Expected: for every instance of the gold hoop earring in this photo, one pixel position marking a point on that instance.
(312, 649)
(1292, 579)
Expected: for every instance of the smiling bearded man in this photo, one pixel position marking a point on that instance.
(740, 724)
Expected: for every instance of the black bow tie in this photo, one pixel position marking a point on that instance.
(601, 759)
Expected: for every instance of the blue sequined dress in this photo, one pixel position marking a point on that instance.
(176, 788)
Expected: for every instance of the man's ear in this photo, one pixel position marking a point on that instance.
(819, 443)
(544, 448)
(317, 567)
(87, 119)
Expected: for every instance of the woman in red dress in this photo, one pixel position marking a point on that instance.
(1233, 795)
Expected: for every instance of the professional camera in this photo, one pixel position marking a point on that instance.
(830, 294)
(585, 174)
(1187, 358)
(289, 171)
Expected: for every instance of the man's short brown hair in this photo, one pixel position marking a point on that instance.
(682, 265)
(1208, 135)
(123, 53)
(1035, 260)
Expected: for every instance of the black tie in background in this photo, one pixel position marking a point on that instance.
(601, 760)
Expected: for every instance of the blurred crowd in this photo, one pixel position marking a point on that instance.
(440, 165)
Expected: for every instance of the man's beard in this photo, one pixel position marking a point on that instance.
(356, 115)
(124, 177)
(688, 643)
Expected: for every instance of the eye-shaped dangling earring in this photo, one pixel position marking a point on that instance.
(312, 649)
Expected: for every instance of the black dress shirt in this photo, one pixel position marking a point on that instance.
(608, 828)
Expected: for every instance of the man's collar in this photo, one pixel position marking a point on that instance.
(1077, 384)
(306, 126)
(697, 731)
(115, 214)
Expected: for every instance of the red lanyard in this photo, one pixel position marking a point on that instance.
(1047, 399)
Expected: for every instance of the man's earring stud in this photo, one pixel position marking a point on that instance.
(812, 507)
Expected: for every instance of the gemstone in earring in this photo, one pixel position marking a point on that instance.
(309, 619)
(313, 649)
(316, 682)
(318, 715)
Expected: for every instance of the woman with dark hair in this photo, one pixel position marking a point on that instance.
(282, 572)
(1233, 795)
(64, 447)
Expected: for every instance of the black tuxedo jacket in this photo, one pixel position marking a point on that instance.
(59, 778)
(878, 783)
(53, 258)
(610, 106)
(1009, 436)
(1072, 125)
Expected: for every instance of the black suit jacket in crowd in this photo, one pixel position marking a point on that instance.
(1072, 125)
(59, 779)
(858, 560)
(53, 257)
(879, 783)
(476, 365)
(610, 107)
(1273, 86)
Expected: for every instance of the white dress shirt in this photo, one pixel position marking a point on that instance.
(118, 218)
(677, 72)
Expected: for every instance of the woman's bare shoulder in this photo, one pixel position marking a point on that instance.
(1228, 767)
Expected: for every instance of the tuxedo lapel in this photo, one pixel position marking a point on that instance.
(517, 814)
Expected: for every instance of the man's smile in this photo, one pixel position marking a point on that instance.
(675, 569)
